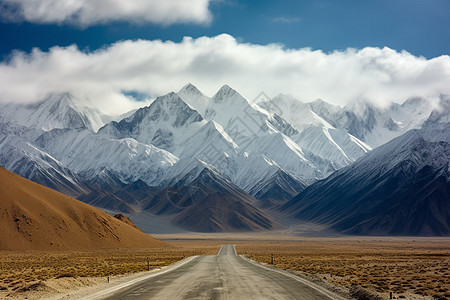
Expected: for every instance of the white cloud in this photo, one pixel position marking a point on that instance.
(87, 12)
(156, 67)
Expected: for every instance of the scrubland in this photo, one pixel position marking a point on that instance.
(410, 268)
(405, 267)
(28, 270)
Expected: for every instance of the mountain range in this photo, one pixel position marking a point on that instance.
(400, 188)
(224, 163)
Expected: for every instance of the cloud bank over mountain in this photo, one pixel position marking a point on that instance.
(155, 67)
(90, 12)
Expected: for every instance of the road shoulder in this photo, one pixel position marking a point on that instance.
(104, 288)
(337, 293)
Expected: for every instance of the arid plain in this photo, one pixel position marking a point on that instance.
(409, 268)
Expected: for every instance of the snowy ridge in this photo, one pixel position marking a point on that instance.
(57, 111)
(287, 154)
(325, 146)
(85, 152)
(166, 124)
(30, 162)
(282, 144)
(376, 126)
(297, 113)
(418, 147)
(194, 98)
(239, 117)
(219, 145)
(400, 188)
(249, 169)
(26, 133)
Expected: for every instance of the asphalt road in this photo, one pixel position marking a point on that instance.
(223, 276)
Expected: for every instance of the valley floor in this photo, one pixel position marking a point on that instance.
(410, 268)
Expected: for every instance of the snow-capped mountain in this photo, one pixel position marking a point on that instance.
(251, 129)
(323, 145)
(194, 98)
(287, 154)
(298, 114)
(251, 172)
(334, 147)
(376, 126)
(400, 188)
(270, 151)
(26, 133)
(57, 111)
(88, 153)
(225, 131)
(210, 144)
(172, 124)
(27, 160)
(166, 123)
(236, 114)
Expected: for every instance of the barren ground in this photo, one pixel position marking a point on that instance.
(24, 273)
(411, 268)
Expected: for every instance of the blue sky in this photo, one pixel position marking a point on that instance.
(418, 26)
(110, 50)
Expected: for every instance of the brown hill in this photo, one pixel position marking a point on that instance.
(37, 218)
(126, 220)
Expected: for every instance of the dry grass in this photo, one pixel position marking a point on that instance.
(19, 270)
(401, 266)
(407, 266)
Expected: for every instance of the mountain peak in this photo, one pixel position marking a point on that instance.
(167, 107)
(63, 99)
(191, 90)
(62, 111)
(171, 102)
(319, 101)
(194, 98)
(224, 93)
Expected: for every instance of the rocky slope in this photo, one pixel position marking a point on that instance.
(400, 188)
